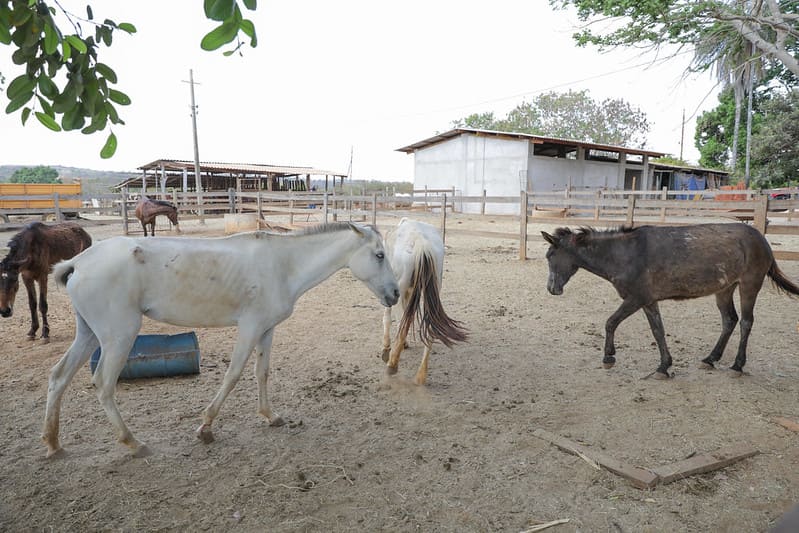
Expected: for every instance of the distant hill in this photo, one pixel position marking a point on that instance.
(94, 181)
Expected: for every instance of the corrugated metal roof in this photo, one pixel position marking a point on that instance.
(249, 168)
(536, 139)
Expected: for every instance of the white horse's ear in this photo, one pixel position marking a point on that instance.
(550, 239)
(357, 229)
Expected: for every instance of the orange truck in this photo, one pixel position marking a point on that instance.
(34, 190)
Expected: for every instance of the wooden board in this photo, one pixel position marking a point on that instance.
(639, 477)
(705, 462)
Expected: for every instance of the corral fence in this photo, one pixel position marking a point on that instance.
(771, 212)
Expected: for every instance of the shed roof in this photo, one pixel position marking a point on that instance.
(535, 139)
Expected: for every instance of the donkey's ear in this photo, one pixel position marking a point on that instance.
(550, 239)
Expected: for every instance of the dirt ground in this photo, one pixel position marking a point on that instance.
(365, 452)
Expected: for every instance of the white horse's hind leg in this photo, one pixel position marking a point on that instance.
(421, 374)
(114, 355)
(60, 376)
(386, 334)
(262, 353)
(248, 336)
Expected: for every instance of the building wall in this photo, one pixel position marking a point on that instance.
(551, 174)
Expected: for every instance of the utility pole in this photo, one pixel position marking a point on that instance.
(682, 132)
(198, 184)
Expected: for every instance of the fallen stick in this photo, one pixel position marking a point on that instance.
(705, 462)
(541, 527)
(639, 477)
(787, 423)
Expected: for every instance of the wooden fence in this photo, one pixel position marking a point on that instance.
(594, 208)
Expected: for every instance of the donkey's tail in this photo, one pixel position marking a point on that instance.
(781, 281)
(434, 324)
(62, 271)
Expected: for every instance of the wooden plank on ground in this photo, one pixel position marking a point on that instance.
(639, 477)
(705, 462)
(787, 423)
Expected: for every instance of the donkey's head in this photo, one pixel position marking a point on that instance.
(561, 258)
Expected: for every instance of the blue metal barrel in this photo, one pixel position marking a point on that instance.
(159, 356)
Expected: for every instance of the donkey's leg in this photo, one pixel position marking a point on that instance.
(729, 319)
(60, 376)
(30, 288)
(386, 334)
(262, 352)
(115, 347)
(43, 308)
(627, 307)
(652, 312)
(421, 374)
(144, 227)
(249, 335)
(748, 296)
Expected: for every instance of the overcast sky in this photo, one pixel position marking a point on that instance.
(331, 77)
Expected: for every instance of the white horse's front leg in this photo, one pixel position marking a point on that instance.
(248, 336)
(421, 374)
(386, 334)
(262, 353)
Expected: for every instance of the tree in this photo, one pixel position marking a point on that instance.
(770, 26)
(65, 84)
(774, 148)
(570, 115)
(715, 130)
(40, 174)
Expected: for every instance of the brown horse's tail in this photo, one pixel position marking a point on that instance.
(434, 324)
(780, 281)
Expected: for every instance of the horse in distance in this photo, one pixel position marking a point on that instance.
(417, 257)
(32, 253)
(648, 264)
(249, 280)
(147, 209)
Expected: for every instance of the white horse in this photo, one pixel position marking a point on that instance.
(250, 280)
(417, 257)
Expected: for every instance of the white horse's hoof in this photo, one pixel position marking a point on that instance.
(205, 434)
(391, 370)
(276, 421)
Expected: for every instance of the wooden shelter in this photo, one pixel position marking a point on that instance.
(162, 174)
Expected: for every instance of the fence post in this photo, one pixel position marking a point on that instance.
(444, 217)
(231, 200)
(452, 198)
(664, 195)
(335, 213)
(58, 215)
(374, 209)
(483, 203)
(324, 205)
(597, 198)
(761, 210)
(260, 204)
(630, 209)
(523, 226)
(291, 208)
(124, 206)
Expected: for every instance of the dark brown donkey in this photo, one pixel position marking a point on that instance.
(648, 264)
(32, 252)
(147, 209)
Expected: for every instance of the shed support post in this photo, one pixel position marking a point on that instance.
(523, 226)
(444, 217)
(124, 207)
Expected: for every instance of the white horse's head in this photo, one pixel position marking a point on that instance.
(369, 263)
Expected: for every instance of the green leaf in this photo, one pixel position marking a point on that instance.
(76, 43)
(220, 36)
(47, 87)
(50, 39)
(20, 84)
(66, 50)
(249, 29)
(89, 13)
(48, 121)
(118, 97)
(218, 9)
(127, 27)
(110, 146)
(25, 114)
(106, 72)
(18, 102)
(250, 4)
(5, 34)
(73, 119)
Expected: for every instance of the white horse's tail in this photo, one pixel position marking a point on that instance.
(62, 271)
(434, 323)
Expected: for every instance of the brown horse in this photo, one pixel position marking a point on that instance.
(648, 264)
(147, 209)
(32, 253)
